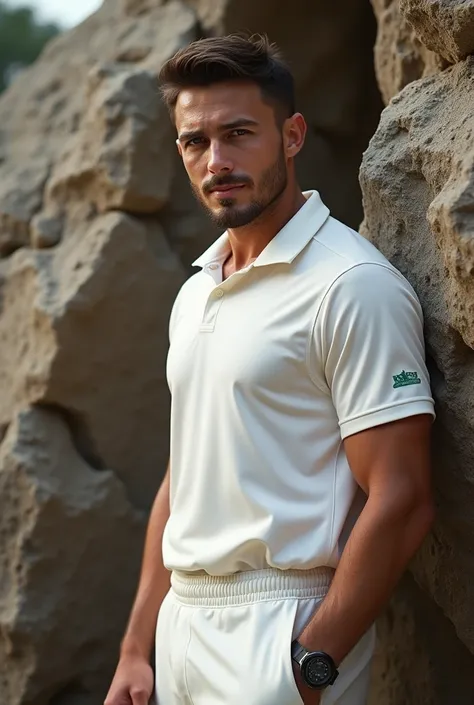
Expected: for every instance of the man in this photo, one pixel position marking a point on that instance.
(298, 383)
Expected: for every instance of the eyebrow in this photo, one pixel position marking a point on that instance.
(241, 122)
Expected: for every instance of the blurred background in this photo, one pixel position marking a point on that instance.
(65, 14)
(25, 27)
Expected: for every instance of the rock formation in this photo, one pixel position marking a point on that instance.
(97, 231)
(417, 178)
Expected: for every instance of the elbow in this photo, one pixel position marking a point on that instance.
(419, 517)
(412, 510)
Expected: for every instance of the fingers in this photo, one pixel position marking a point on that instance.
(121, 699)
(139, 696)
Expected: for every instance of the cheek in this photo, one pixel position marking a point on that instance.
(264, 154)
(195, 166)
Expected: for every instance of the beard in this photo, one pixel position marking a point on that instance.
(272, 184)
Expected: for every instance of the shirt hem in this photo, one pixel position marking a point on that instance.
(386, 415)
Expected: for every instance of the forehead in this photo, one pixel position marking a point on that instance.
(204, 107)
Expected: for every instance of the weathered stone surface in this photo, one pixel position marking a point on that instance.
(417, 178)
(419, 657)
(83, 129)
(400, 56)
(121, 157)
(45, 231)
(444, 26)
(21, 196)
(60, 521)
(86, 324)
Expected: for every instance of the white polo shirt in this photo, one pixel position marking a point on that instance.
(319, 338)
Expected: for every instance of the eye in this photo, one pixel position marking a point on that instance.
(239, 132)
(195, 142)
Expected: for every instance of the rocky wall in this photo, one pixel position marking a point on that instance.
(417, 178)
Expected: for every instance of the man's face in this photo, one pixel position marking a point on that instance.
(232, 150)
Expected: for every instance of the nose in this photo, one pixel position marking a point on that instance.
(219, 160)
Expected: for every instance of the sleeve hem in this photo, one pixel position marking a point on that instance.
(378, 417)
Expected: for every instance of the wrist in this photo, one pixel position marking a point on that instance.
(311, 643)
(317, 668)
(131, 647)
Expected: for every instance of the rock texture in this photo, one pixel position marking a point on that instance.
(98, 228)
(417, 178)
(400, 56)
(444, 26)
(60, 519)
(418, 38)
(420, 658)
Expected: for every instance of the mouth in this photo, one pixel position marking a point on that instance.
(226, 190)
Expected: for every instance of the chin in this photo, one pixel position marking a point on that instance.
(233, 217)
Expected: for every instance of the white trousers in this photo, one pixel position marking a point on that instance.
(226, 640)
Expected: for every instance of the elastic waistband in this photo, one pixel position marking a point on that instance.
(202, 589)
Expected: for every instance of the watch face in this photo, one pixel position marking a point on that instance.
(317, 671)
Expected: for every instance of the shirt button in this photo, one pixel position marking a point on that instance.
(219, 293)
(213, 266)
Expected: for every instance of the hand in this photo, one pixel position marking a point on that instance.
(132, 683)
(309, 696)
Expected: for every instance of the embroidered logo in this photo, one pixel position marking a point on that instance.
(404, 379)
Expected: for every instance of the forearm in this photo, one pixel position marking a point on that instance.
(377, 553)
(154, 580)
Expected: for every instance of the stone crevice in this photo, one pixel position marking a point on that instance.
(81, 435)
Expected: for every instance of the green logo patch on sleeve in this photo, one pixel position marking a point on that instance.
(404, 379)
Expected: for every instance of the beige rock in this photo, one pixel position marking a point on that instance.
(83, 129)
(444, 26)
(21, 196)
(419, 659)
(121, 157)
(135, 8)
(45, 231)
(86, 325)
(61, 616)
(400, 56)
(417, 179)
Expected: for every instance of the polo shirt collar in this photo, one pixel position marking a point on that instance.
(287, 243)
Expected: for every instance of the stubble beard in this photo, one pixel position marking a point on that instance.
(272, 185)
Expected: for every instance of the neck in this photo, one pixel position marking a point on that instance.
(249, 241)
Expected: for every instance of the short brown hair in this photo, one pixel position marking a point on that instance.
(235, 57)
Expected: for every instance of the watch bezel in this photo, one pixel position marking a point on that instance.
(312, 656)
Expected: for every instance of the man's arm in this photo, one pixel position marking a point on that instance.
(133, 679)
(391, 463)
(154, 580)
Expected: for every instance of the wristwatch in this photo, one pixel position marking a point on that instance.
(317, 668)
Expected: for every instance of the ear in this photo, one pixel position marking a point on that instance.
(294, 133)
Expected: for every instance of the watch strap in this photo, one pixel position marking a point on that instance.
(298, 651)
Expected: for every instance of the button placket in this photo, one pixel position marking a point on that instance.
(212, 308)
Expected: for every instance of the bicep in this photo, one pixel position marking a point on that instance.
(393, 458)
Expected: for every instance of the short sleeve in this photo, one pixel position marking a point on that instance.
(175, 312)
(368, 349)
(172, 319)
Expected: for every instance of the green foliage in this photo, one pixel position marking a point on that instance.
(22, 38)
